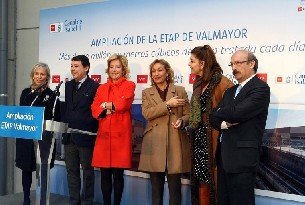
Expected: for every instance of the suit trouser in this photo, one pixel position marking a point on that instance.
(235, 188)
(174, 186)
(74, 156)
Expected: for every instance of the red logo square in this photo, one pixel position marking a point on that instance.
(192, 78)
(279, 79)
(262, 76)
(300, 8)
(142, 78)
(96, 78)
(55, 78)
(52, 27)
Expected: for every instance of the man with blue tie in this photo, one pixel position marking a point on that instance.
(241, 119)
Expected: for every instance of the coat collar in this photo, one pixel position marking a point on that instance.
(246, 87)
(156, 97)
(117, 83)
(85, 86)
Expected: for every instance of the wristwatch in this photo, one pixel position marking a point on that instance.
(104, 105)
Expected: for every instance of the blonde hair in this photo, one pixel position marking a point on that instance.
(123, 61)
(43, 66)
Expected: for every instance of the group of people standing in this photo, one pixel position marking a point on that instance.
(216, 136)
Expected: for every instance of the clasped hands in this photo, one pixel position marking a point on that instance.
(108, 106)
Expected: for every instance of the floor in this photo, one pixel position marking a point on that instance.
(17, 199)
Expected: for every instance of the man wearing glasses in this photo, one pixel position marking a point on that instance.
(241, 119)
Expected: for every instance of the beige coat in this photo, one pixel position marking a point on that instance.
(164, 146)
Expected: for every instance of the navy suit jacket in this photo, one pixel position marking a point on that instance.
(240, 145)
(78, 112)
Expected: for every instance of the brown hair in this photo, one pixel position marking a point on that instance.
(205, 53)
(167, 67)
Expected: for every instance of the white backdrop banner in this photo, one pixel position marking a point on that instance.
(145, 30)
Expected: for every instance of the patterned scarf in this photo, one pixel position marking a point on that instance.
(195, 117)
(195, 121)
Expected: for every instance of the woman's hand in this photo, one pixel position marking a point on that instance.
(177, 124)
(175, 102)
(107, 106)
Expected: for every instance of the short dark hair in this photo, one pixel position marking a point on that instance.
(84, 59)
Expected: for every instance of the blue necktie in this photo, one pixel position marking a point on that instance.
(238, 90)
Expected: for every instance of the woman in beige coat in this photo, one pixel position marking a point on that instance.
(165, 148)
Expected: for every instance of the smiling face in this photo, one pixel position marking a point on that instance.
(159, 74)
(115, 70)
(196, 65)
(39, 76)
(78, 71)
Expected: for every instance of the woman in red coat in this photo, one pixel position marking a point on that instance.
(112, 107)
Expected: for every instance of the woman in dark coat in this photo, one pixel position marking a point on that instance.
(208, 89)
(40, 95)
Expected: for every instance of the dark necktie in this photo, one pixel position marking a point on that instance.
(76, 87)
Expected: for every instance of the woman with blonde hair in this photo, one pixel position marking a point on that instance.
(112, 107)
(37, 94)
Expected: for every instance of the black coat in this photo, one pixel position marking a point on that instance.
(240, 145)
(25, 153)
(78, 114)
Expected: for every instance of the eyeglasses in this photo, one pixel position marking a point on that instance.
(238, 63)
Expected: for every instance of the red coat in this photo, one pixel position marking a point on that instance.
(113, 143)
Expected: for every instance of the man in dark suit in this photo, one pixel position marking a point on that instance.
(241, 118)
(79, 141)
